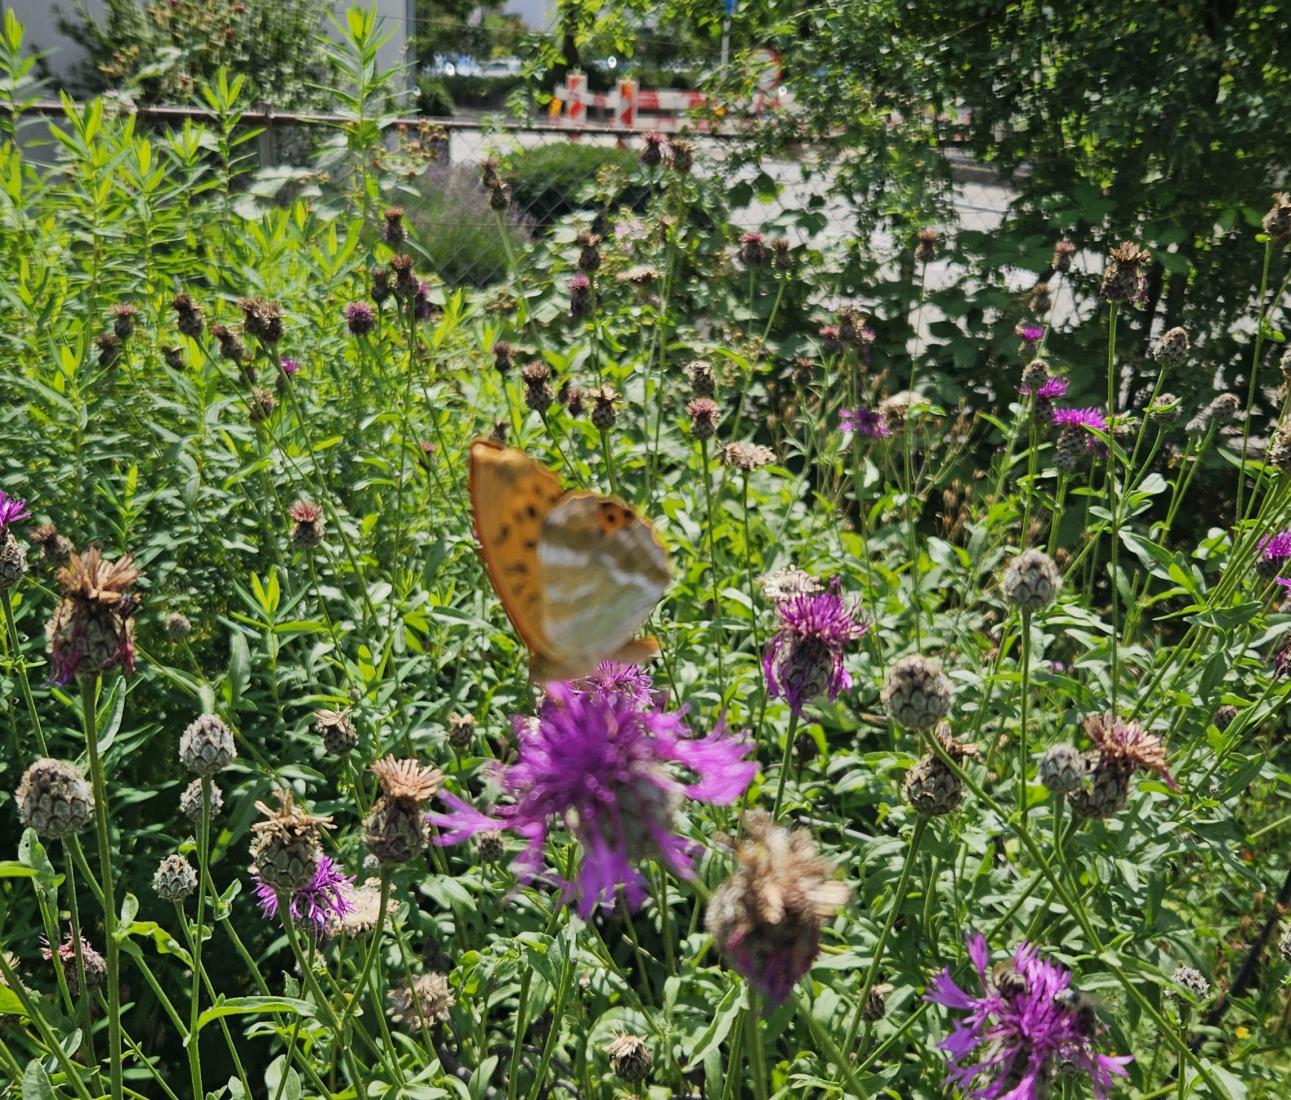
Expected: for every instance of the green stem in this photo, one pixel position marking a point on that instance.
(195, 996)
(89, 701)
(21, 664)
(1023, 752)
(785, 761)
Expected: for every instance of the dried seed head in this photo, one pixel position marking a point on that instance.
(379, 288)
(925, 250)
(589, 252)
(174, 879)
(1123, 278)
(261, 405)
(630, 1058)
(1062, 254)
(262, 319)
(461, 730)
(681, 155)
(1280, 451)
(604, 413)
(423, 1002)
(231, 346)
(1223, 716)
(55, 549)
(406, 779)
(92, 630)
(394, 233)
(746, 457)
(336, 731)
(916, 692)
(1192, 982)
(1031, 581)
(177, 626)
(491, 847)
(286, 849)
(54, 799)
(702, 381)
(876, 1004)
(502, 356)
(767, 916)
(1284, 944)
(365, 908)
(753, 249)
(781, 257)
(652, 151)
(537, 380)
(1041, 298)
(188, 315)
(108, 345)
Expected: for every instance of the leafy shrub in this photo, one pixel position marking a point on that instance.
(482, 92)
(433, 97)
(551, 181)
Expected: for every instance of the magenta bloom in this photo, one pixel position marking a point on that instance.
(1030, 334)
(604, 764)
(630, 682)
(288, 366)
(11, 510)
(1080, 418)
(1024, 1027)
(360, 317)
(1272, 547)
(322, 902)
(1052, 388)
(805, 658)
(863, 421)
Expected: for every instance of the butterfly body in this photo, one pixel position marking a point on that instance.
(577, 573)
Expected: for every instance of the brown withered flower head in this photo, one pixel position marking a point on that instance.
(571, 397)
(925, 251)
(231, 346)
(92, 630)
(286, 849)
(55, 549)
(108, 345)
(1128, 742)
(423, 1002)
(1277, 222)
(394, 233)
(306, 524)
(1063, 251)
(681, 155)
(405, 277)
(589, 252)
(767, 916)
(746, 457)
(396, 829)
(652, 153)
(188, 315)
(1123, 277)
(124, 317)
(262, 319)
(604, 407)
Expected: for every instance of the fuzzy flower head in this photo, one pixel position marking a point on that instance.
(289, 366)
(1128, 744)
(1026, 1024)
(612, 679)
(805, 658)
(1030, 335)
(323, 902)
(605, 765)
(1085, 420)
(11, 510)
(862, 421)
(1049, 389)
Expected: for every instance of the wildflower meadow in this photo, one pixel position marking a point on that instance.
(711, 659)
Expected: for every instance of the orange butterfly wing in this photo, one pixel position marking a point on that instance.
(511, 496)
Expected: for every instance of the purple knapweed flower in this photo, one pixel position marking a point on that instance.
(11, 510)
(611, 678)
(603, 764)
(360, 317)
(1026, 1023)
(321, 902)
(423, 309)
(1030, 335)
(805, 658)
(862, 421)
(1272, 547)
(1051, 388)
(1087, 419)
(289, 366)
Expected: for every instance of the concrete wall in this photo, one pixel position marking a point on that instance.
(40, 20)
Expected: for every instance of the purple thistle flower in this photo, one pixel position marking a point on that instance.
(1030, 334)
(805, 658)
(1272, 547)
(1026, 1025)
(288, 366)
(360, 317)
(611, 679)
(1081, 418)
(322, 902)
(599, 761)
(11, 510)
(1052, 387)
(862, 421)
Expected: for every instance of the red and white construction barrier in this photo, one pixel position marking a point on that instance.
(573, 104)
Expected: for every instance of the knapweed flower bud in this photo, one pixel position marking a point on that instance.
(1107, 791)
(1123, 277)
(124, 317)
(1192, 982)
(1041, 299)
(1071, 451)
(1223, 716)
(537, 380)
(932, 787)
(1225, 407)
(173, 354)
(336, 731)
(630, 1058)
(206, 746)
(262, 319)
(1062, 769)
(753, 249)
(925, 251)
(489, 172)
(394, 233)
(589, 252)
(1277, 222)
(13, 560)
(405, 277)
(604, 414)
(571, 397)
(1280, 451)
(1034, 375)
(177, 626)
(580, 294)
(190, 802)
(174, 879)
(379, 288)
(781, 257)
(499, 196)
(1031, 581)
(188, 315)
(1164, 409)
(307, 526)
(502, 356)
(54, 799)
(1062, 254)
(286, 852)
(916, 692)
(108, 345)
(1171, 348)
(681, 155)
(360, 317)
(767, 916)
(704, 415)
(652, 152)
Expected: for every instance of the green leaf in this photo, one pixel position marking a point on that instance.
(36, 1084)
(32, 853)
(239, 666)
(728, 1011)
(9, 1003)
(255, 1006)
(11, 868)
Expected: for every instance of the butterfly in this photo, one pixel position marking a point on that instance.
(577, 573)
